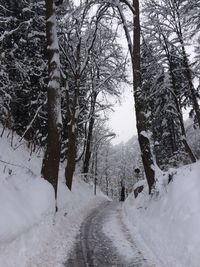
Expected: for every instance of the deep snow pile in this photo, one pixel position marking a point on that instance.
(27, 234)
(169, 223)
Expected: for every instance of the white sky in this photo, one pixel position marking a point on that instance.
(122, 120)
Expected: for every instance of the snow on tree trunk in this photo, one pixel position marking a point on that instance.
(50, 166)
(72, 132)
(144, 142)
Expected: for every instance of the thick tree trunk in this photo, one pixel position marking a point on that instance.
(72, 136)
(71, 156)
(87, 155)
(50, 166)
(106, 174)
(134, 49)
(143, 138)
(96, 171)
(122, 193)
(173, 136)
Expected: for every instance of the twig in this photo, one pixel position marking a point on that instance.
(17, 165)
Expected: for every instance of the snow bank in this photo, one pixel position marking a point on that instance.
(54, 249)
(23, 203)
(24, 198)
(28, 237)
(169, 223)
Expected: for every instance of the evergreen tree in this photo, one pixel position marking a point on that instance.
(24, 71)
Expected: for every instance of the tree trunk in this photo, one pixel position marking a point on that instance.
(122, 193)
(87, 156)
(106, 173)
(71, 155)
(173, 138)
(134, 49)
(144, 141)
(50, 166)
(72, 136)
(96, 171)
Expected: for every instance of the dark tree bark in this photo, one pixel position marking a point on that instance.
(144, 141)
(134, 49)
(50, 166)
(122, 193)
(96, 171)
(71, 155)
(106, 174)
(87, 155)
(72, 136)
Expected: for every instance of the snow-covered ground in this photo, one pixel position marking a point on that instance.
(169, 222)
(28, 237)
(125, 240)
(165, 227)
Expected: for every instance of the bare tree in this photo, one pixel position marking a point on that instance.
(107, 73)
(96, 65)
(81, 38)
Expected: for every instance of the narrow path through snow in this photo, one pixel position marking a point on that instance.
(104, 241)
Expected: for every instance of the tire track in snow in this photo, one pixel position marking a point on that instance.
(94, 248)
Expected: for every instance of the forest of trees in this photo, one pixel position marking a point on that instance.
(63, 63)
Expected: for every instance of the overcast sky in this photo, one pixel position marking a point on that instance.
(122, 121)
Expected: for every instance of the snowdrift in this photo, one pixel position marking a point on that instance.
(28, 237)
(24, 197)
(169, 222)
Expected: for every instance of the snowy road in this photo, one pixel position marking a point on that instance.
(96, 248)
